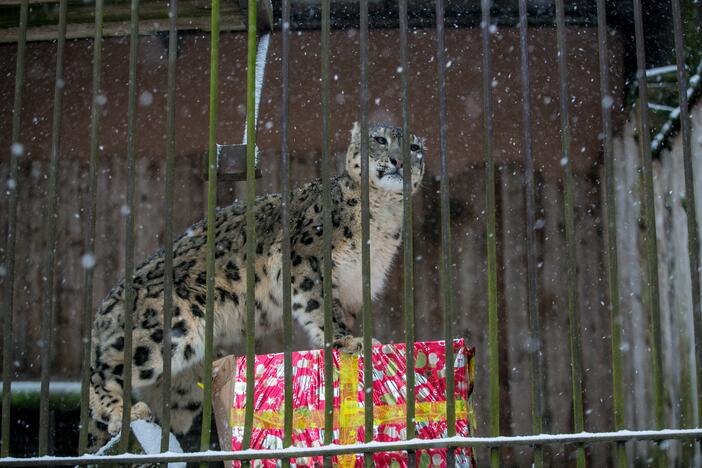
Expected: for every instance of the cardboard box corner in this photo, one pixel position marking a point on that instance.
(223, 399)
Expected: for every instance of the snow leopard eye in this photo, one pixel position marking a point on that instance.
(381, 140)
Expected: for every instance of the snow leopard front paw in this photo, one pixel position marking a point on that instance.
(139, 410)
(351, 344)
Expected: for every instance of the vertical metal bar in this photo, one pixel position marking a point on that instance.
(493, 352)
(90, 226)
(365, 236)
(286, 248)
(651, 244)
(51, 218)
(693, 240)
(168, 228)
(250, 221)
(129, 229)
(16, 152)
(211, 214)
(610, 216)
(7, 309)
(569, 214)
(327, 237)
(445, 272)
(407, 233)
(532, 271)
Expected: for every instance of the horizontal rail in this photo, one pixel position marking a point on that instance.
(63, 395)
(373, 447)
(148, 27)
(58, 387)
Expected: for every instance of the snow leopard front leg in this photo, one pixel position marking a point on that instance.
(308, 307)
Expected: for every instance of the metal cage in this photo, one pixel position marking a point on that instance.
(491, 440)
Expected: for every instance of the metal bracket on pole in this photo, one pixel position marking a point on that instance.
(231, 158)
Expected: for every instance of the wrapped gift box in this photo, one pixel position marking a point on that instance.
(389, 409)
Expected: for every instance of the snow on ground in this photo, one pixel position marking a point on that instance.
(149, 437)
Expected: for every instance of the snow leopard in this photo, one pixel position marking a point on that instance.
(386, 165)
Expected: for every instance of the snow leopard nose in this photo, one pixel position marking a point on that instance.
(397, 162)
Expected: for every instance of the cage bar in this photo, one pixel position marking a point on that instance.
(365, 236)
(407, 235)
(250, 223)
(327, 237)
(7, 306)
(90, 228)
(168, 225)
(51, 217)
(690, 210)
(535, 358)
(569, 214)
(285, 240)
(211, 215)
(610, 219)
(650, 241)
(491, 235)
(129, 228)
(445, 270)
(611, 225)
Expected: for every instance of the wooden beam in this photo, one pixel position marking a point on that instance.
(121, 28)
(18, 2)
(43, 20)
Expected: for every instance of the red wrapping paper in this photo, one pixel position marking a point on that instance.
(389, 389)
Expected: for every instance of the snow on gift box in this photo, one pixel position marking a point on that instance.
(388, 399)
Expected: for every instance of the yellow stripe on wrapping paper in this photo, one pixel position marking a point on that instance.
(304, 418)
(349, 410)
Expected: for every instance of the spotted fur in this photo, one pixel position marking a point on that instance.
(189, 295)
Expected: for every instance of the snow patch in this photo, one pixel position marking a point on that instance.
(149, 436)
(668, 128)
(261, 56)
(651, 72)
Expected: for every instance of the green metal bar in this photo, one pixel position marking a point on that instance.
(211, 215)
(129, 230)
(407, 234)
(650, 242)
(285, 241)
(168, 226)
(491, 233)
(51, 218)
(535, 358)
(445, 271)
(327, 237)
(610, 217)
(250, 222)
(7, 306)
(365, 235)
(652, 290)
(90, 227)
(693, 240)
(374, 447)
(576, 373)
